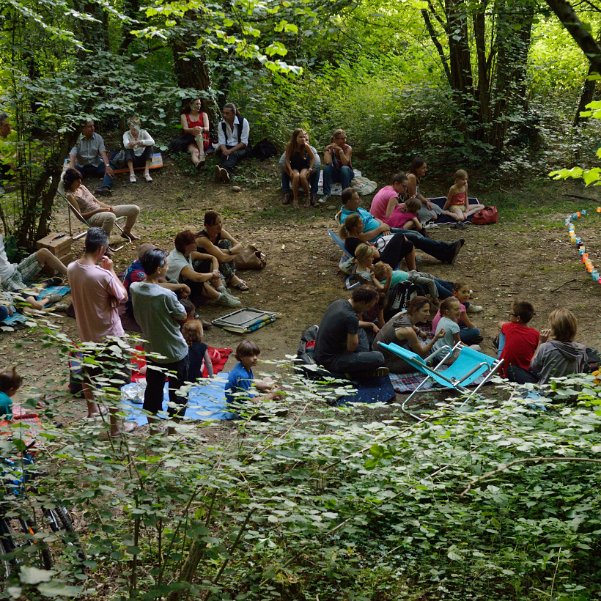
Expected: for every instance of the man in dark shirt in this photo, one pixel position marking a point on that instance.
(341, 345)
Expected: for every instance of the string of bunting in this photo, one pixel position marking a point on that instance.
(579, 243)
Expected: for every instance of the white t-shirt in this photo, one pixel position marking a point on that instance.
(176, 261)
(450, 327)
(6, 267)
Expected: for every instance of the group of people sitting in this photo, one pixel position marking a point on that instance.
(377, 242)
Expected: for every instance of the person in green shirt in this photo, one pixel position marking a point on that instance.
(10, 382)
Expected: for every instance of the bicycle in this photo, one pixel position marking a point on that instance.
(24, 539)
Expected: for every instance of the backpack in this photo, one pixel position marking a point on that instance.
(264, 149)
(399, 296)
(486, 216)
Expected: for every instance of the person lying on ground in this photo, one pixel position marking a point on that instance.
(214, 240)
(96, 213)
(402, 330)
(18, 277)
(373, 229)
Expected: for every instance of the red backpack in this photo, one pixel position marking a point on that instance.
(485, 216)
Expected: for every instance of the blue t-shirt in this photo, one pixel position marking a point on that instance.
(239, 381)
(369, 221)
(6, 406)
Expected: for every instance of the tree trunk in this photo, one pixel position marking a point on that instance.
(582, 36)
(514, 32)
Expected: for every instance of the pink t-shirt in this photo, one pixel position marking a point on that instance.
(380, 202)
(399, 218)
(437, 317)
(96, 295)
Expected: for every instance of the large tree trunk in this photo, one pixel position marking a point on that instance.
(514, 33)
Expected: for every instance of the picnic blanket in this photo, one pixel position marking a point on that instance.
(369, 390)
(206, 401)
(58, 290)
(360, 183)
(405, 383)
(440, 200)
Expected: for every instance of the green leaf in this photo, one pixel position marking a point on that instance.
(33, 575)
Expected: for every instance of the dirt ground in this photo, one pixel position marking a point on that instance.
(510, 260)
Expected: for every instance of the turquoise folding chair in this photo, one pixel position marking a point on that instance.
(467, 367)
(350, 281)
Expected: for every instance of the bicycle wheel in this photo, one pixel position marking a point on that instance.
(8, 564)
(60, 522)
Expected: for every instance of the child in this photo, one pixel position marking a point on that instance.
(299, 163)
(469, 333)
(198, 351)
(10, 382)
(241, 379)
(437, 288)
(408, 218)
(517, 343)
(457, 205)
(450, 310)
(558, 355)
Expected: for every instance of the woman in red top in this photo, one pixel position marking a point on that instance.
(195, 128)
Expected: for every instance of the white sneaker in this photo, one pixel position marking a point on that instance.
(475, 308)
(147, 177)
(132, 179)
(227, 300)
(323, 199)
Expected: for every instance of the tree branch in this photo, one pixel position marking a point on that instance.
(505, 466)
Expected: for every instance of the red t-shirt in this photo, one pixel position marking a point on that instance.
(521, 342)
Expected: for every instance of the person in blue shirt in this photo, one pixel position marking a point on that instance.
(241, 380)
(373, 229)
(10, 382)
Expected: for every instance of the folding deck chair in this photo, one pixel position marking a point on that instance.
(468, 366)
(73, 210)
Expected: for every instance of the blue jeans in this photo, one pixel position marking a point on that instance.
(443, 251)
(444, 288)
(313, 180)
(469, 335)
(229, 162)
(100, 171)
(344, 175)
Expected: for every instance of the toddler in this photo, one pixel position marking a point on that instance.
(517, 343)
(198, 351)
(10, 382)
(407, 219)
(450, 310)
(469, 333)
(241, 379)
(457, 205)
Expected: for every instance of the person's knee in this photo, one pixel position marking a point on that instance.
(43, 256)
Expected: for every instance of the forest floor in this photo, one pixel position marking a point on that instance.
(526, 256)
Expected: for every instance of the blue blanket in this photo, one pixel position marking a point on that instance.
(205, 401)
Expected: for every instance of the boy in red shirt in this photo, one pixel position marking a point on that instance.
(518, 343)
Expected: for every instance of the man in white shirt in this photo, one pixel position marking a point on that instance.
(232, 135)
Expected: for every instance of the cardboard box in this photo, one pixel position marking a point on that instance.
(59, 244)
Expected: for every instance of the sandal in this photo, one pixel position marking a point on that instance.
(242, 286)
